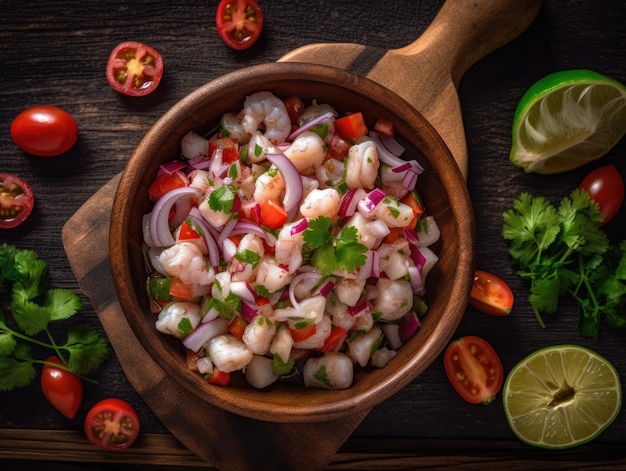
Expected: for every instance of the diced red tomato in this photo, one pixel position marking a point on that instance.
(219, 378)
(384, 127)
(229, 146)
(187, 232)
(336, 337)
(338, 148)
(295, 107)
(302, 333)
(237, 327)
(351, 126)
(273, 215)
(180, 289)
(166, 182)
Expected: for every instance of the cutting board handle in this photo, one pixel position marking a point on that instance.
(465, 31)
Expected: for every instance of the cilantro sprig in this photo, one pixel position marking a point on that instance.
(331, 253)
(34, 308)
(564, 250)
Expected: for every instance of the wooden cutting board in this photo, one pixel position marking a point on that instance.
(426, 73)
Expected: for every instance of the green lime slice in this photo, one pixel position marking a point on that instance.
(561, 396)
(566, 120)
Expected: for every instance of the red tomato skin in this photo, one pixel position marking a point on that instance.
(166, 182)
(16, 203)
(605, 186)
(112, 424)
(491, 294)
(466, 355)
(44, 131)
(62, 388)
(239, 23)
(134, 69)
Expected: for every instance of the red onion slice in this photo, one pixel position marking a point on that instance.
(366, 270)
(243, 290)
(214, 253)
(249, 311)
(171, 167)
(293, 182)
(299, 227)
(368, 205)
(199, 336)
(159, 218)
(409, 327)
(309, 275)
(392, 145)
(311, 124)
(384, 154)
(392, 335)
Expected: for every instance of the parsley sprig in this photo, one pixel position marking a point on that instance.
(331, 253)
(35, 307)
(564, 250)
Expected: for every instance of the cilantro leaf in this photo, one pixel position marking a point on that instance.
(7, 341)
(279, 367)
(249, 257)
(16, 371)
(318, 232)
(221, 199)
(87, 349)
(62, 303)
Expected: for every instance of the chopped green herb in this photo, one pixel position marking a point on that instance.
(279, 367)
(228, 307)
(221, 199)
(322, 375)
(185, 327)
(249, 257)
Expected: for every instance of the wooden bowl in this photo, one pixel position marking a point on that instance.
(443, 190)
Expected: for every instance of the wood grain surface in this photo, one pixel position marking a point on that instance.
(54, 52)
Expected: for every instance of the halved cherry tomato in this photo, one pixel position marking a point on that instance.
(302, 333)
(112, 424)
(166, 182)
(474, 369)
(239, 22)
(490, 294)
(273, 215)
(62, 388)
(295, 108)
(385, 127)
(351, 126)
(134, 68)
(229, 146)
(606, 187)
(16, 201)
(219, 378)
(44, 131)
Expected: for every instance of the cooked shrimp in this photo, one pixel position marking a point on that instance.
(272, 275)
(362, 165)
(329, 173)
(349, 291)
(395, 298)
(306, 152)
(266, 108)
(288, 248)
(232, 127)
(381, 357)
(258, 147)
(269, 186)
(228, 354)
(364, 236)
(171, 315)
(241, 270)
(194, 145)
(321, 203)
(337, 369)
(258, 335)
(185, 261)
(315, 110)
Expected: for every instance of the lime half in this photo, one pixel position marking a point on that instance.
(561, 396)
(566, 120)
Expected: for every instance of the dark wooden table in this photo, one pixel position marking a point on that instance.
(54, 52)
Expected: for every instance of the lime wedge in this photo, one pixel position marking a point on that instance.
(561, 396)
(566, 120)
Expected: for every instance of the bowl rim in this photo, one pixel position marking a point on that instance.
(457, 191)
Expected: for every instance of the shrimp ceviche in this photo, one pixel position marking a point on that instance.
(291, 243)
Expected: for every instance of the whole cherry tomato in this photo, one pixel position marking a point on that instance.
(62, 388)
(16, 201)
(239, 22)
(112, 424)
(474, 369)
(134, 68)
(44, 131)
(606, 187)
(490, 294)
